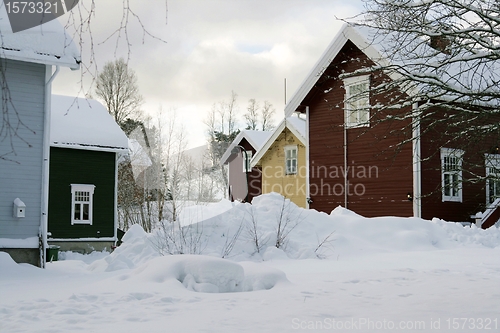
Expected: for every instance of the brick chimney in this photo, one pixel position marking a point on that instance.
(441, 43)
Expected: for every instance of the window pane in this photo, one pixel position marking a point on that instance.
(447, 190)
(364, 116)
(455, 185)
(77, 211)
(85, 212)
(353, 116)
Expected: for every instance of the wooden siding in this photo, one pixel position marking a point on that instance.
(23, 94)
(274, 177)
(238, 179)
(473, 191)
(379, 169)
(75, 166)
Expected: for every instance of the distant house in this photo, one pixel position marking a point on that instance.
(86, 144)
(244, 186)
(359, 162)
(27, 62)
(282, 160)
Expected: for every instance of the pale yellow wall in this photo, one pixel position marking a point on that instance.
(274, 177)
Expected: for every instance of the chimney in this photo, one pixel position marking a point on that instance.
(441, 43)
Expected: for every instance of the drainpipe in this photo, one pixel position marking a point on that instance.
(49, 76)
(308, 193)
(345, 165)
(117, 157)
(417, 171)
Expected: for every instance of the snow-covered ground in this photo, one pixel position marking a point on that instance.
(338, 272)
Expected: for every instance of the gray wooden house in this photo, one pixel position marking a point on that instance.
(29, 61)
(85, 145)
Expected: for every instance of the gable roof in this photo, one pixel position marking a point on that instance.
(380, 47)
(295, 124)
(345, 32)
(255, 138)
(84, 124)
(47, 44)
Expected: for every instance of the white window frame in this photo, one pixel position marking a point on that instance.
(357, 115)
(248, 159)
(76, 189)
(492, 165)
(455, 175)
(290, 149)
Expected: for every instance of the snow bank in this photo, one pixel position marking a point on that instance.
(251, 232)
(208, 274)
(467, 236)
(196, 272)
(137, 248)
(86, 258)
(9, 269)
(274, 228)
(198, 213)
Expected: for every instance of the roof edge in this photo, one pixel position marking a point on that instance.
(278, 130)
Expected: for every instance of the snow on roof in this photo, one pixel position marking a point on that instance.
(255, 138)
(46, 44)
(294, 123)
(84, 124)
(299, 125)
(415, 55)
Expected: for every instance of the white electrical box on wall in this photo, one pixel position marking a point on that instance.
(19, 208)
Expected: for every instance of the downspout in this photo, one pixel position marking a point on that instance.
(46, 158)
(345, 166)
(308, 191)
(417, 171)
(117, 157)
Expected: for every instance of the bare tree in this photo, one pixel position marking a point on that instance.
(444, 55)
(258, 117)
(266, 116)
(252, 115)
(117, 87)
(221, 129)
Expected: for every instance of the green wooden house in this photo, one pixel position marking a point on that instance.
(86, 144)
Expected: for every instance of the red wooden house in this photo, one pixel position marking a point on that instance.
(360, 161)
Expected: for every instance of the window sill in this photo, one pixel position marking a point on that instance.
(349, 126)
(81, 222)
(452, 199)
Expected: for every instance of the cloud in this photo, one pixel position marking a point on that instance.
(212, 48)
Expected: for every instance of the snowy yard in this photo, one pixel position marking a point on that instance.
(376, 275)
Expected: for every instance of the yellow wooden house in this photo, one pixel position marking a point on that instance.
(282, 160)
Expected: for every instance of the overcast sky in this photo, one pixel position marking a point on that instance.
(210, 48)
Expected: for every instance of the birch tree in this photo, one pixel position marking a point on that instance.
(259, 118)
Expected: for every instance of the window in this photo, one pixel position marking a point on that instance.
(246, 162)
(357, 101)
(81, 203)
(291, 160)
(451, 174)
(492, 177)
